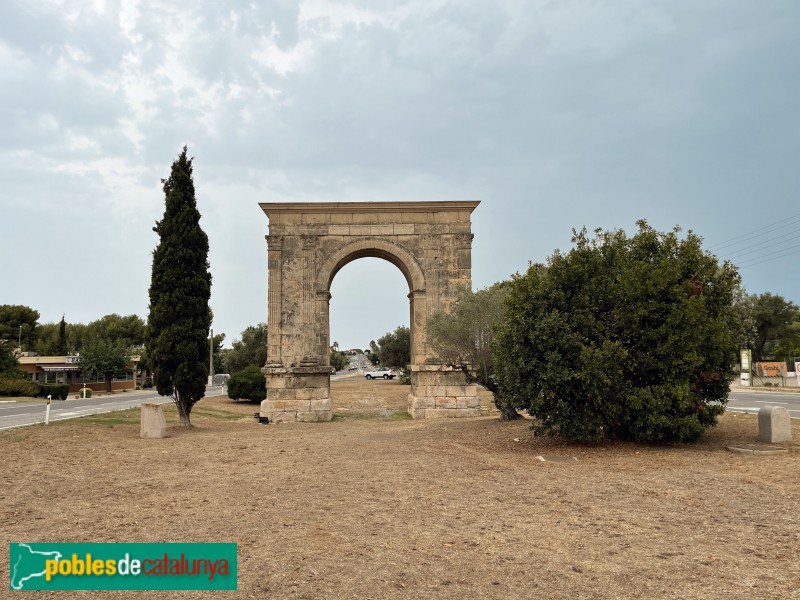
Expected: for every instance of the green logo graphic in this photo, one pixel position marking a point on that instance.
(105, 566)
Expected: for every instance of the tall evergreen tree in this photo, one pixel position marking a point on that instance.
(179, 319)
(60, 347)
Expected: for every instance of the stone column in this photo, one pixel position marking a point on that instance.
(297, 375)
(419, 317)
(274, 305)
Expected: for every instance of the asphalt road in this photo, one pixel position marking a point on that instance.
(751, 401)
(22, 414)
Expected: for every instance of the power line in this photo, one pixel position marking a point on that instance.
(757, 260)
(746, 250)
(772, 227)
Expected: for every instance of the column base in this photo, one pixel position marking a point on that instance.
(439, 391)
(297, 394)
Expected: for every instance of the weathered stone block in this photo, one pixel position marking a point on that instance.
(403, 229)
(449, 402)
(316, 218)
(314, 416)
(307, 393)
(281, 416)
(451, 413)
(320, 405)
(416, 217)
(337, 218)
(153, 423)
(774, 425)
(417, 413)
(441, 413)
(290, 405)
(283, 394)
(421, 402)
(435, 390)
(468, 402)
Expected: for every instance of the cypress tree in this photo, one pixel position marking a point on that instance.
(60, 348)
(179, 319)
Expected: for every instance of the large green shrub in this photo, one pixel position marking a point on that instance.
(248, 384)
(14, 386)
(621, 338)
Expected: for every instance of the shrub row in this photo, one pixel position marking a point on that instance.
(11, 386)
(58, 391)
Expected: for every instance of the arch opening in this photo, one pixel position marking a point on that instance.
(368, 299)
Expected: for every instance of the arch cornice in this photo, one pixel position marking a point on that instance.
(374, 247)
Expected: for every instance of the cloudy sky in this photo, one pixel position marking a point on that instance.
(555, 114)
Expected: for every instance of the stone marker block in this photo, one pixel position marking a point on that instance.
(153, 423)
(774, 425)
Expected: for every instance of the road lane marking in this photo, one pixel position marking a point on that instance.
(754, 410)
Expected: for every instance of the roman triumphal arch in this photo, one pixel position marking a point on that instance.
(308, 243)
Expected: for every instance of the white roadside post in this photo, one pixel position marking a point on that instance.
(47, 411)
(745, 358)
(84, 390)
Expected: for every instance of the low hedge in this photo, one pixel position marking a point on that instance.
(11, 386)
(58, 391)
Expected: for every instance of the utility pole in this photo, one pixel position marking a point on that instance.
(211, 358)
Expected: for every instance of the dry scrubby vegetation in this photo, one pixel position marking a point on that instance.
(376, 506)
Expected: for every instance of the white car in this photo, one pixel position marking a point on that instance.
(381, 373)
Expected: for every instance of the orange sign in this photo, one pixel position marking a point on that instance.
(771, 369)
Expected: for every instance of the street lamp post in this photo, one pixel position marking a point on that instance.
(19, 341)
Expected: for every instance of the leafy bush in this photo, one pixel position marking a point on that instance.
(621, 338)
(88, 392)
(248, 384)
(12, 386)
(58, 391)
(404, 377)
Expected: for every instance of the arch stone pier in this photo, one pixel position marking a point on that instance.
(308, 243)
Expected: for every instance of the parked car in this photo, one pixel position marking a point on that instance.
(381, 373)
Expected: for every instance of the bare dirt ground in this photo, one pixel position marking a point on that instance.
(374, 505)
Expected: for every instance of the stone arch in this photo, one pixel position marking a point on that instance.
(372, 247)
(308, 243)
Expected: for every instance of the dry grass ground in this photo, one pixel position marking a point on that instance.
(386, 507)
